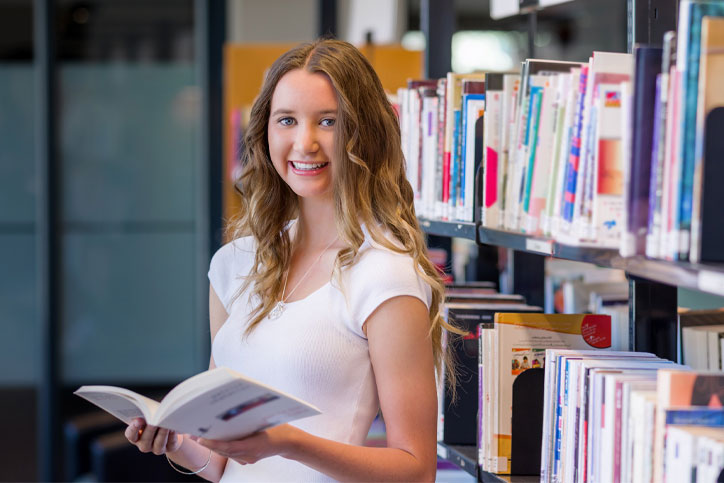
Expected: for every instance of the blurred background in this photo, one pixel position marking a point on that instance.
(119, 127)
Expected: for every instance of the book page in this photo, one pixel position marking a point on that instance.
(233, 410)
(122, 403)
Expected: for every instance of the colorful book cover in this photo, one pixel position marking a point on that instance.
(691, 14)
(453, 102)
(560, 132)
(575, 149)
(517, 334)
(531, 139)
(682, 389)
(608, 204)
(541, 166)
(451, 182)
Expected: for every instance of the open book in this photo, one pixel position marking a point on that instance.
(215, 404)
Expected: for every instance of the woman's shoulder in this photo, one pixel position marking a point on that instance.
(236, 251)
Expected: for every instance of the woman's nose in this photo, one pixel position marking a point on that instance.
(306, 140)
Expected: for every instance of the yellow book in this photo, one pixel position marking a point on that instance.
(520, 341)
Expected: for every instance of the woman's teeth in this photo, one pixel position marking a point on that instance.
(307, 166)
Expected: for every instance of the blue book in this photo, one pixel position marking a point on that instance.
(691, 13)
(574, 157)
(468, 166)
(536, 99)
(455, 161)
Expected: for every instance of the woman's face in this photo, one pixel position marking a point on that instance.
(301, 133)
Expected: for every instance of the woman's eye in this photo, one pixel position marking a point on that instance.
(327, 122)
(286, 121)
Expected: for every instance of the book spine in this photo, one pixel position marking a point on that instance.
(648, 66)
(575, 151)
(536, 95)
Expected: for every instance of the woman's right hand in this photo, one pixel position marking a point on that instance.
(152, 438)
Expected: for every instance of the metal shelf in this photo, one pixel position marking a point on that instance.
(457, 229)
(706, 278)
(466, 458)
(701, 277)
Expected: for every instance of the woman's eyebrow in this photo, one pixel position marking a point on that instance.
(323, 112)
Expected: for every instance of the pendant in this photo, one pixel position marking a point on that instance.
(276, 312)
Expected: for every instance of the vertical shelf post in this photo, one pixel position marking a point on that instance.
(437, 20)
(653, 316)
(528, 276)
(48, 240)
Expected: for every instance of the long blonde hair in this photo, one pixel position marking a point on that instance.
(370, 186)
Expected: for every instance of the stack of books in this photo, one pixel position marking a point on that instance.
(609, 153)
(630, 416)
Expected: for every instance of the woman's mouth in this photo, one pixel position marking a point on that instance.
(307, 168)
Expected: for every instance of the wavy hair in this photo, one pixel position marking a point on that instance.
(370, 186)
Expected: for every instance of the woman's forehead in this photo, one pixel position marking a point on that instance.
(302, 90)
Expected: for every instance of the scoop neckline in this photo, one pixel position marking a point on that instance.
(310, 294)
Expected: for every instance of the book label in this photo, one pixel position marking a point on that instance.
(539, 246)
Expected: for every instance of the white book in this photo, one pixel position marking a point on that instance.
(641, 420)
(711, 460)
(215, 404)
(608, 203)
(680, 454)
(560, 139)
(695, 348)
(628, 242)
(540, 183)
(511, 85)
(628, 424)
(428, 125)
(492, 158)
(512, 120)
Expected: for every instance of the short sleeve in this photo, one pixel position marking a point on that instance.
(228, 267)
(380, 275)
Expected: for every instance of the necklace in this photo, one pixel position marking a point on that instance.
(276, 312)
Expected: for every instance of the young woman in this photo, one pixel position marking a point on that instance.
(326, 292)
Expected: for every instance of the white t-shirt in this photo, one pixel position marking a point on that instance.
(316, 350)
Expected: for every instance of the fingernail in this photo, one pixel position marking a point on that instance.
(194, 438)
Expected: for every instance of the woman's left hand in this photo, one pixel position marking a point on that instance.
(271, 442)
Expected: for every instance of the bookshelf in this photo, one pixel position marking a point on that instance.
(653, 283)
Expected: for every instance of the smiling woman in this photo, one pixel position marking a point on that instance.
(301, 133)
(327, 210)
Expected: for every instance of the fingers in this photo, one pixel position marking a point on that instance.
(151, 438)
(158, 445)
(174, 441)
(133, 431)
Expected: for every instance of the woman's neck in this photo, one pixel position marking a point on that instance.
(316, 226)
